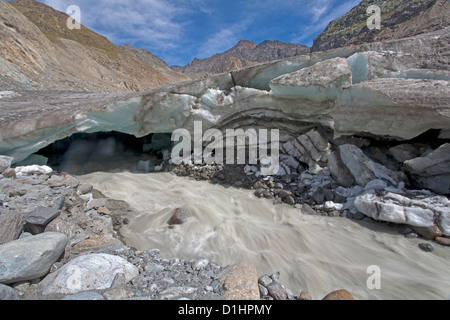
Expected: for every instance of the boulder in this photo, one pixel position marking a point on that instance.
(93, 244)
(11, 224)
(429, 233)
(404, 152)
(422, 211)
(443, 241)
(364, 170)
(9, 173)
(31, 257)
(85, 188)
(339, 171)
(39, 218)
(339, 295)
(433, 170)
(7, 293)
(86, 273)
(180, 216)
(240, 282)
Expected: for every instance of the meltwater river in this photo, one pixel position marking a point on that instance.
(314, 253)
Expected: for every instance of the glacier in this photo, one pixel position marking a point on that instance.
(393, 89)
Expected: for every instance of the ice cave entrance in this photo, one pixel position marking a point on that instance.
(84, 153)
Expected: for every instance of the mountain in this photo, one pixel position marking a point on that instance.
(38, 51)
(399, 19)
(244, 54)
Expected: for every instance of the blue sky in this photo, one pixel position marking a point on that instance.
(178, 31)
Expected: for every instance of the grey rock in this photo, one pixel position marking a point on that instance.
(7, 293)
(339, 171)
(277, 291)
(433, 170)
(284, 194)
(328, 194)
(11, 224)
(200, 264)
(263, 290)
(404, 152)
(411, 235)
(265, 280)
(39, 218)
(95, 204)
(85, 188)
(318, 196)
(259, 185)
(306, 209)
(376, 184)
(290, 200)
(9, 173)
(31, 257)
(426, 247)
(88, 272)
(364, 169)
(429, 233)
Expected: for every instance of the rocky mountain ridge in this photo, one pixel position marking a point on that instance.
(399, 19)
(245, 53)
(38, 51)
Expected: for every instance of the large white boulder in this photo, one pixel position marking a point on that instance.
(423, 211)
(86, 273)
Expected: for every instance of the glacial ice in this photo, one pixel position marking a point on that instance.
(359, 65)
(119, 117)
(420, 74)
(243, 99)
(320, 82)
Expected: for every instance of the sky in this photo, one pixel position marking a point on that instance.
(178, 31)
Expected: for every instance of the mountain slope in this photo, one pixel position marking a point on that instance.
(399, 19)
(244, 54)
(38, 49)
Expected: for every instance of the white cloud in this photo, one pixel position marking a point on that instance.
(152, 22)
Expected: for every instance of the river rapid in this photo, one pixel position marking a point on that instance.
(314, 253)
